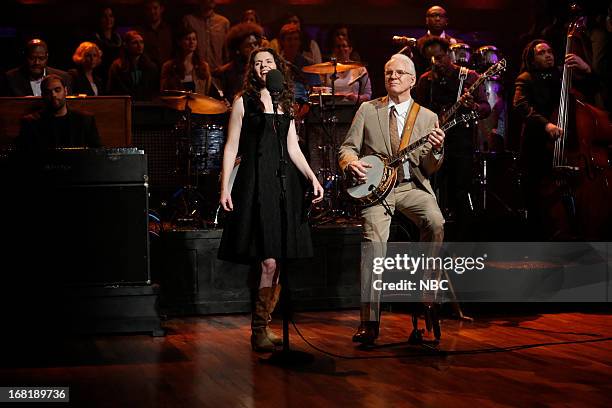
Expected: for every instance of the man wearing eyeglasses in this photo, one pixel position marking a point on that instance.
(436, 22)
(378, 127)
(26, 80)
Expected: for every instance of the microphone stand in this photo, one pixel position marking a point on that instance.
(285, 357)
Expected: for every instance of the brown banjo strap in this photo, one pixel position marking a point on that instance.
(409, 125)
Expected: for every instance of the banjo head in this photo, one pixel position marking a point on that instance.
(375, 177)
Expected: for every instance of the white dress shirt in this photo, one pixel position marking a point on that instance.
(401, 113)
(36, 84)
(444, 35)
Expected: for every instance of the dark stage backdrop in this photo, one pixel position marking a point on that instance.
(503, 23)
(372, 22)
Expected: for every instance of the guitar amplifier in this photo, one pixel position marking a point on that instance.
(79, 217)
(75, 166)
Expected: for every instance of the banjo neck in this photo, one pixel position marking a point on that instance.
(402, 156)
(381, 179)
(493, 70)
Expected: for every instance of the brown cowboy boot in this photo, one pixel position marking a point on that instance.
(259, 322)
(274, 296)
(367, 331)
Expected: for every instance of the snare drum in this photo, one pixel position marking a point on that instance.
(207, 147)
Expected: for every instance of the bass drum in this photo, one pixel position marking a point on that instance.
(207, 148)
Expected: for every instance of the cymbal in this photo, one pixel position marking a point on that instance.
(328, 67)
(201, 104)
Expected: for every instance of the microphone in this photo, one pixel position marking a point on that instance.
(400, 39)
(274, 83)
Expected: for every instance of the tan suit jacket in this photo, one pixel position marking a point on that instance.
(369, 133)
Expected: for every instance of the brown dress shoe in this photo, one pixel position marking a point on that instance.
(366, 333)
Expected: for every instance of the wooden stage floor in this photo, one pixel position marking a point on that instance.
(207, 362)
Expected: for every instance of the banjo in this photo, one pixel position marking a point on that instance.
(382, 175)
(492, 71)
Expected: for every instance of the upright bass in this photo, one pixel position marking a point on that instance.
(582, 174)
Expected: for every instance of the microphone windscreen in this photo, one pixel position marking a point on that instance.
(274, 81)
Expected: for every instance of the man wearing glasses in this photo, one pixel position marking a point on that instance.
(436, 22)
(378, 127)
(26, 80)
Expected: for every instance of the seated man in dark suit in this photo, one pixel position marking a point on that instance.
(56, 126)
(26, 79)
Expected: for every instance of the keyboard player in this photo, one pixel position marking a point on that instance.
(56, 126)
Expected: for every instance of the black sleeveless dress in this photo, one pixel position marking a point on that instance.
(252, 231)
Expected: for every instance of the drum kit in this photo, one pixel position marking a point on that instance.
(495, 166)
(334, 207)
(200, 148)
(491, 130)
(199, 151)
(461, 54)
(200, 144)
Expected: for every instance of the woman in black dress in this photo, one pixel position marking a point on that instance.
(253, 231)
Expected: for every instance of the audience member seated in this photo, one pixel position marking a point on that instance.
(211, 28)
(156, 32)
(133, 73)
(241, 40)
(354, 84)
(251, 16)
(26, 79)
(187, 71)
(289, 40)
(308, 47)
(108, 40)
(340, 32)
(56, 125)
(85, 81)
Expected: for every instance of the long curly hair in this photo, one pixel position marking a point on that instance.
(528, 57)
(237, 34)
(252, 85)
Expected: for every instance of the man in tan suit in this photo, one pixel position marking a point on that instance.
(377, 128)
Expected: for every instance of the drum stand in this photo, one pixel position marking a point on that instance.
(328, 173)
(484, 188)
(187, 200)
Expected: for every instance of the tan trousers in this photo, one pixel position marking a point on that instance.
(420, 207)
